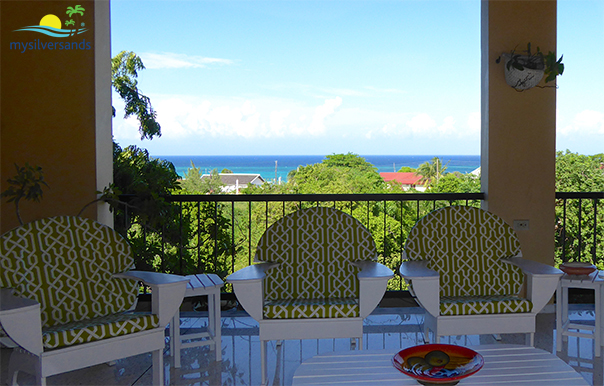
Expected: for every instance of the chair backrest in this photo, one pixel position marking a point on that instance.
(465, 244)
(314, 247)
(66, 264)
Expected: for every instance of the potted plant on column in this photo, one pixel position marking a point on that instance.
(525, 71)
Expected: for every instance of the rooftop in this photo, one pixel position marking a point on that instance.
(389, 328)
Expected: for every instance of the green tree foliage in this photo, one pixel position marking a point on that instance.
(431, 171)
(338, 173)
(407, 169)
(575, 236)
(26, 185)
(124, 73)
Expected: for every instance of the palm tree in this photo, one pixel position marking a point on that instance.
(430, 170)
(77, 10)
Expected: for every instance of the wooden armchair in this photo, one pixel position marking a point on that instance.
(66, 299)
(316, 278)
(465, 268)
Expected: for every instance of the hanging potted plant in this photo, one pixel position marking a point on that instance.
(524, 71)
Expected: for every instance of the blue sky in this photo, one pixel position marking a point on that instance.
(322, 77)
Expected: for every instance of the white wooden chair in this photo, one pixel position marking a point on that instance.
(316, 278)
(66, 299)
(465, 267)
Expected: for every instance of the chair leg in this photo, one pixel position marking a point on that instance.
(175, 339)
(263, 361)
(360, 342)
(426, 334)
(158, 367)
(530, 339)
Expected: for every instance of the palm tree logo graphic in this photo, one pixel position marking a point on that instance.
(78, 10)
(51, 24)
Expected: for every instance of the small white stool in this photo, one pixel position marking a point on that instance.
(199, 284)
(563, 324)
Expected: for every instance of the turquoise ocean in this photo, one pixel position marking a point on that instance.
(271, 166)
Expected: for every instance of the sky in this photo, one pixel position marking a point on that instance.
(235, 77)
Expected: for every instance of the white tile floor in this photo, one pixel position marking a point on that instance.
(386, 328)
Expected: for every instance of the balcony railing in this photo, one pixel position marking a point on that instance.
(219, 233)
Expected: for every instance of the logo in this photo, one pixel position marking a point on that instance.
(51, 25)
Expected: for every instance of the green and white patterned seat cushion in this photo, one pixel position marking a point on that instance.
(91, 330)
(477, 305)
(66, 264)
(465, 246)
(311, 308)
(315, 248)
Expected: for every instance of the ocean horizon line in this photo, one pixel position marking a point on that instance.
(275, 167)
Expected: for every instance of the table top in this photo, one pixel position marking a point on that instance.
(504, 364)
(203, 284)
(593, 280)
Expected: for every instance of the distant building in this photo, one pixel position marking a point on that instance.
(235, 182)
(407, 180)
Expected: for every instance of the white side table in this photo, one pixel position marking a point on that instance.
(563, 324)
(199, 284)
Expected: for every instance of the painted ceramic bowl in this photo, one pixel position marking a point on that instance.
(438, 364)
(577, 268)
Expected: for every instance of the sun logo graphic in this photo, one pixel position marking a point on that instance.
(52, 25)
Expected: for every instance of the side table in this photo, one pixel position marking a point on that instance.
(563, 324)
(199, 284)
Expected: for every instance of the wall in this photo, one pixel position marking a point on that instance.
(519, 128)
(49, 108)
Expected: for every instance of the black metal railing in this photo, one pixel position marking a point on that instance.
(579, 228)
(219, 233)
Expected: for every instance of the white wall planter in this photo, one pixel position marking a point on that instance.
(522, 79)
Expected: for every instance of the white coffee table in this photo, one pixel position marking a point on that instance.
(504, 365)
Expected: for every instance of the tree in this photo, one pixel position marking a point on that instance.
(124, 73)
(407, 169)
(576, 226)
(431, 170)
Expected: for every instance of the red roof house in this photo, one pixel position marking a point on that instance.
(407, 180)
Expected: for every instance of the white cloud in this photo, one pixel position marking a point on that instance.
(173, 60)
(585, 122)
(421, 124)
(317, 125)
(448, 126)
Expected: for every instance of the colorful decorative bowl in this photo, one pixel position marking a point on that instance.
(438, 364)
(577, 268)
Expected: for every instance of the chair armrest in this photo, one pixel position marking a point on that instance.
(21, 320)
(541, 280)
(167, 291)
(373, 280)
(251, 272)
(372, 270)
(248, 287)
(424, 284)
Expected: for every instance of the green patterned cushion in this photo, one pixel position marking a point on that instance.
(315, 248)
(91, 330)
(465, 246)
(311, 308)
(476, 305)
(66, 264)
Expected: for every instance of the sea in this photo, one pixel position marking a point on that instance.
(275, 167)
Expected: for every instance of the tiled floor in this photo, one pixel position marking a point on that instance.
(386, 328)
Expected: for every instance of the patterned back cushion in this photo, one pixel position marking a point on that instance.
(66, 263)
(464, 244)
(315, 247)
